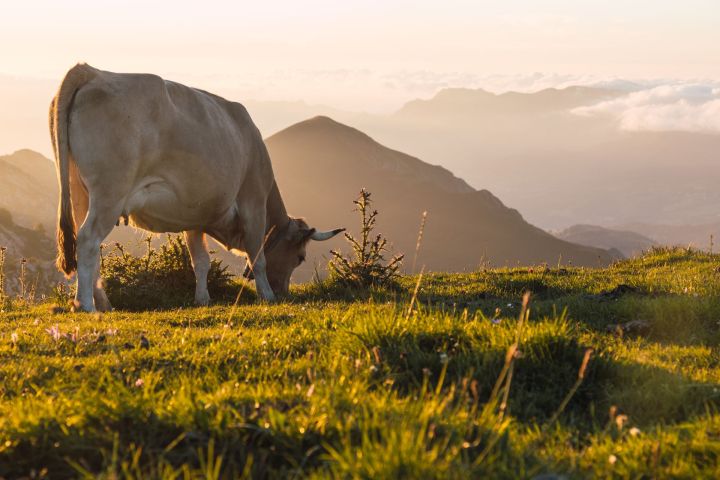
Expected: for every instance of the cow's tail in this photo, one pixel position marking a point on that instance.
(60, 107)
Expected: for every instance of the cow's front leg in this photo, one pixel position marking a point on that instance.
(201, 264)
(254, 245)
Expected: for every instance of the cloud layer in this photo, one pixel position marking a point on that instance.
(693, 107)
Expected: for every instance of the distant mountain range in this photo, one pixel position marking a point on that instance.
(530, 149)
(321, 165)
(473, 102)
(556, 167)
(698, 236)
(626, 243)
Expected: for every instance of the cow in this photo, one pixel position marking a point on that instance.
(169, 158)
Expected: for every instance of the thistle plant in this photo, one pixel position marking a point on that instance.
(366, 266)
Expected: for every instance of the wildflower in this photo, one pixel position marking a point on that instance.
(443, 358)
(139, 382)
(54, 332)
(634, 431)
(73, 337)
(14, 337)
(612, 459)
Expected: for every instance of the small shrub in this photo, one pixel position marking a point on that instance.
(366, 266)
(162, 278)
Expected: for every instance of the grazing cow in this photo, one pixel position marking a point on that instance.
(171, 159)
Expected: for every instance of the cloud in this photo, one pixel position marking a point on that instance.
(693, 107)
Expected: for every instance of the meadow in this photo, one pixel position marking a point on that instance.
(610, 373)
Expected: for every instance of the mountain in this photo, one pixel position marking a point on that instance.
(626, 242)
(321, 165)
(522, 146)
(26, 248)
(465, 101)
(28, 188)
(696, 235)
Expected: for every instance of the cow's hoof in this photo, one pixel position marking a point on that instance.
(103, 304)
(79, 307)
(202, 300)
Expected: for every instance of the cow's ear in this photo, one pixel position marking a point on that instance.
(303, 235)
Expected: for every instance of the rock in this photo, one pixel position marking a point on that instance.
(615, 293)
(633, 327)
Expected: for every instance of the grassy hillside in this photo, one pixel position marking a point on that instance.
(349, 384)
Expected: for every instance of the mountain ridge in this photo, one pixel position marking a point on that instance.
(321, 164)
(321, 159)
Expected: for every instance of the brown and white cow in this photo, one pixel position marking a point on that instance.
(171, 159)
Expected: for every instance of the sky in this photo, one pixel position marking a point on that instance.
(368, 55)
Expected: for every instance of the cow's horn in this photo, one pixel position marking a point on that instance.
(320, 236)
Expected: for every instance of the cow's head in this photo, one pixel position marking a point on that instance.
(285, 251)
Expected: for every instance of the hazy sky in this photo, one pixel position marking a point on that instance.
(368, 55)
(363, 54)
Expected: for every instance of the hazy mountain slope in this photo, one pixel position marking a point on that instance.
(23, 242)
(28, 188)
(642, 177)
(523, 146)
(697, 236)
(626, 242)
(33, 246)
(320, 166)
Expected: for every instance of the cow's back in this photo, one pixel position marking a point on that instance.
(202, 145)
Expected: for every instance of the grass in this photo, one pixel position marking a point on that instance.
(343, 383)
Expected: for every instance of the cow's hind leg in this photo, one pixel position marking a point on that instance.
(97, 225)
(80, 210)
(201, 264)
